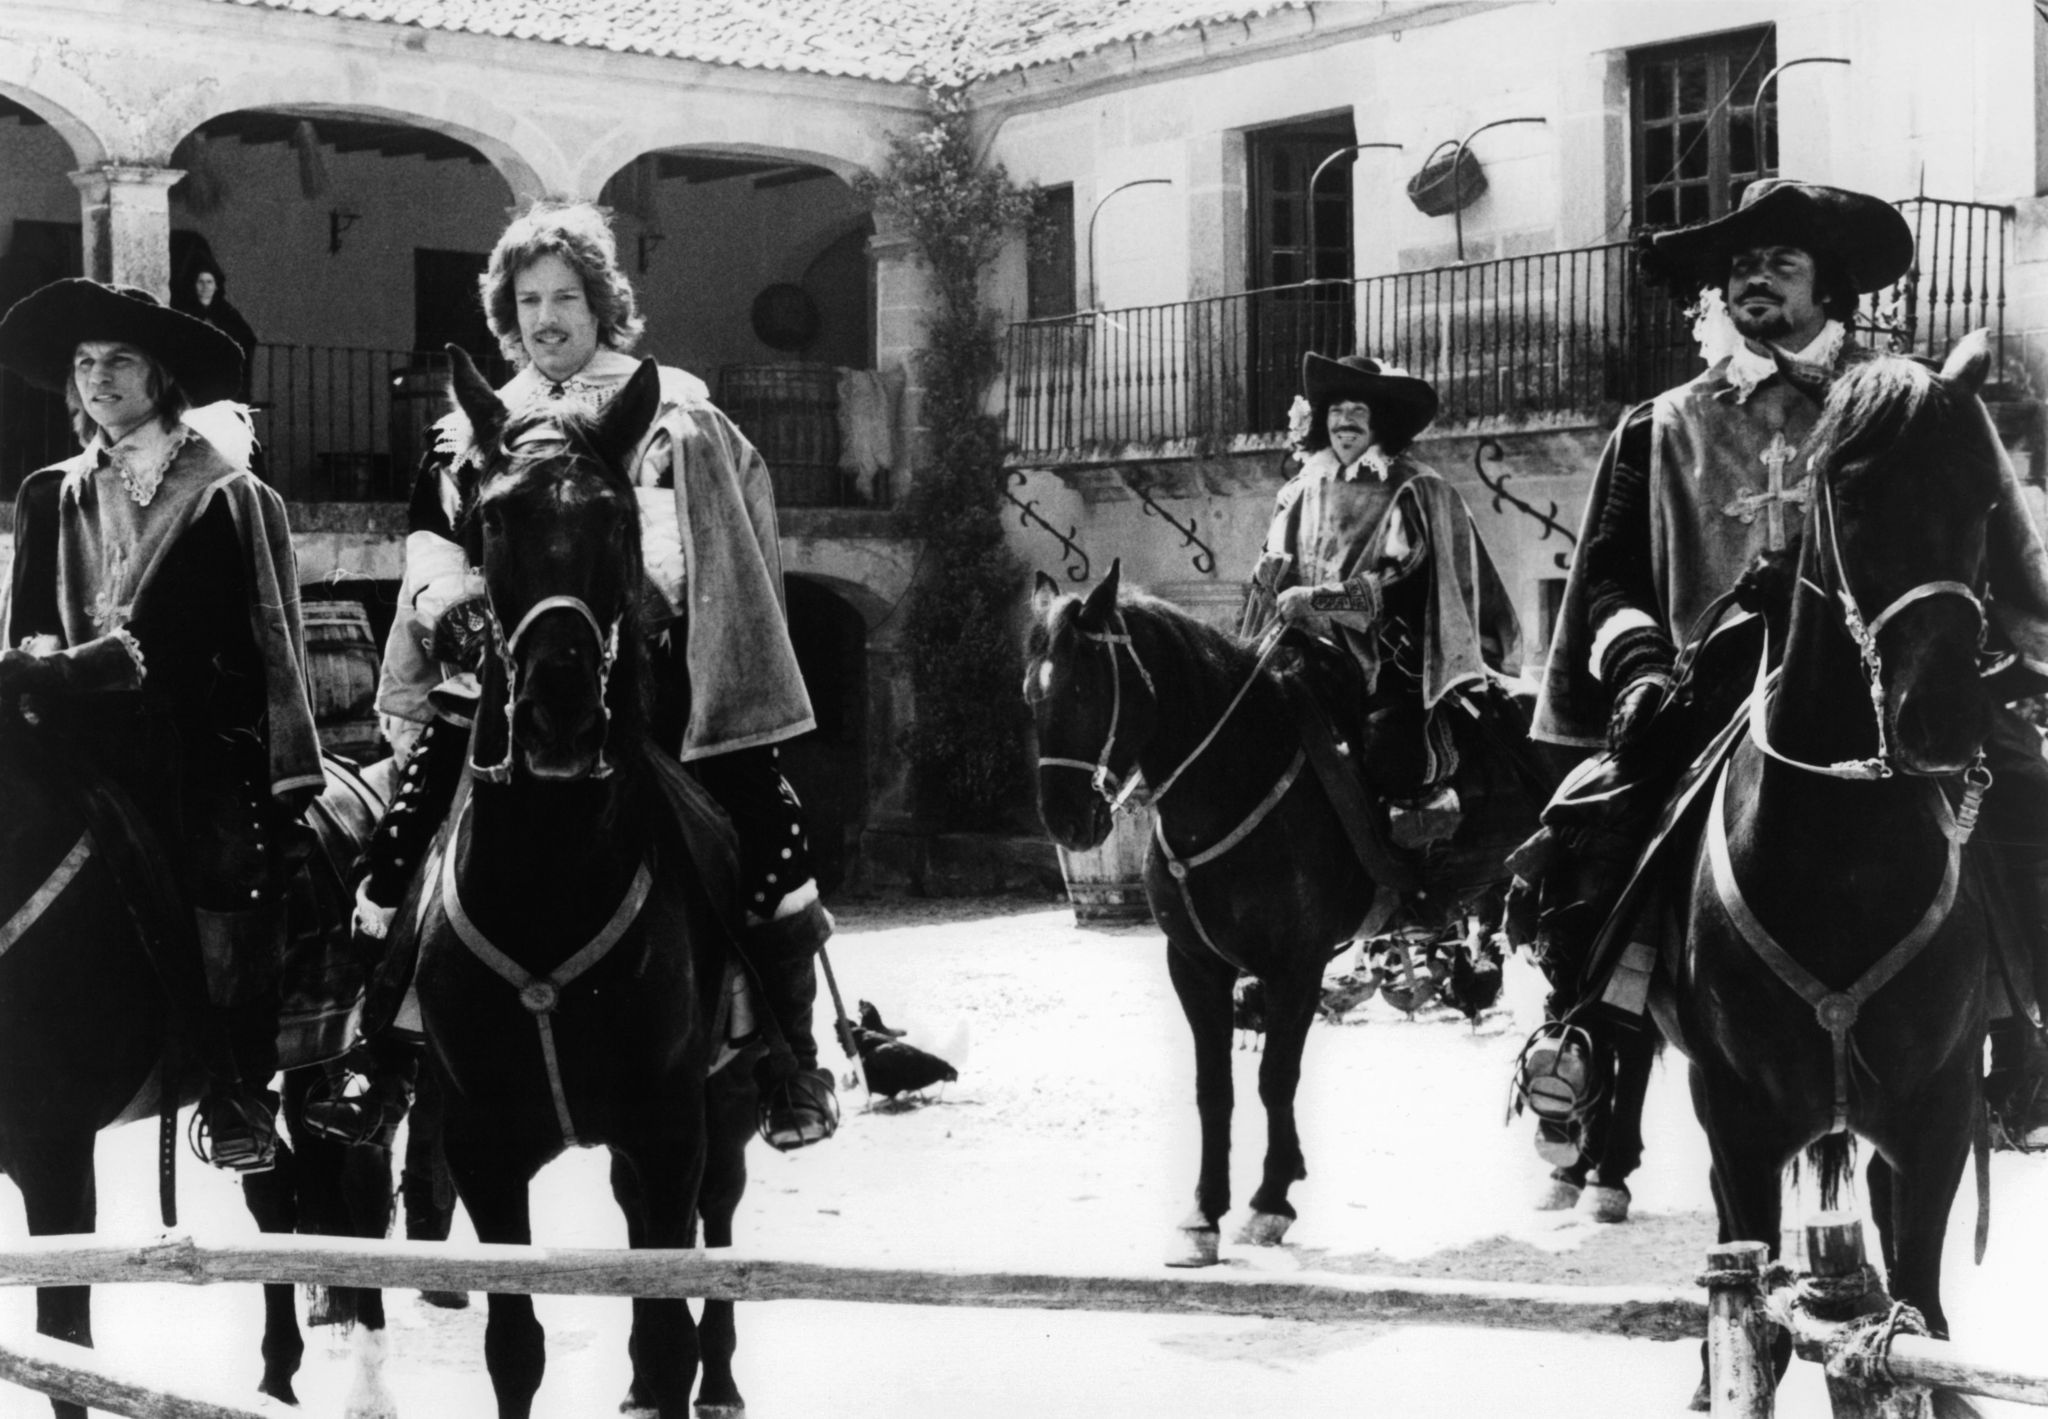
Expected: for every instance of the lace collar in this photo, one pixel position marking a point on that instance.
(1375, 461)
(1748, 367)
(141, 457)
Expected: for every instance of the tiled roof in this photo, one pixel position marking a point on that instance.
(891, 40)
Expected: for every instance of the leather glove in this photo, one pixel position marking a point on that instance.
(1634, 709)
(459, 635)
(24, 676)
(1296, 604)
(1766, 587)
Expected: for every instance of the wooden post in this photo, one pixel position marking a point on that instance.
(1834, 1253)
(1739, 1374)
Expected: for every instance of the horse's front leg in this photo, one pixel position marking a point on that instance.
(1927, 1165)
(491, 1177)
(1203, 981)
(655, 1176)
(58, 1193)
(1749, 1149)
(730, 1100)
(1290, 1008)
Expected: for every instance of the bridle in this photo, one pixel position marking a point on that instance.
(1864, 633)
(1125, 790)
(507, 649)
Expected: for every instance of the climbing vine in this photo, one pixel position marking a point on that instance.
(965, 741)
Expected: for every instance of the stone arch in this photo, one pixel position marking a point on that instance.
(522, 174)
(88, 147)
(612, 152)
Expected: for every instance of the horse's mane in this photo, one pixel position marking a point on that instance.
(1208, 658)
(576, 457)
(1889, 410)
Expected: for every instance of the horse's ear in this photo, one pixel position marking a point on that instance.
(1968, 363)
(628, 416)
(1101, 601)
(1044, 592)
(475, 397)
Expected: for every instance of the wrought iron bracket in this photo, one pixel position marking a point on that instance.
(1205, 559)
(1028, 516)
(1499, 488)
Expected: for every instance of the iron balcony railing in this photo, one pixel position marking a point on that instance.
(1554, 336)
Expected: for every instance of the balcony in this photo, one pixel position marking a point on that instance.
(1557, 338)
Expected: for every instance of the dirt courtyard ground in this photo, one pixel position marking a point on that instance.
(1070, 1141)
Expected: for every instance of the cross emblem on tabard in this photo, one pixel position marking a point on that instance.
(1771, 501)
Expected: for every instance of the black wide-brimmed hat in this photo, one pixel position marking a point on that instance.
(1401, 404)
(43, 330)
(1866, 240)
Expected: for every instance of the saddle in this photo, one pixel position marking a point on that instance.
(1500, 784)
(322, 979)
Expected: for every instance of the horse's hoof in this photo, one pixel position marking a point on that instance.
(1702, 1401)
(446, 1300)
(1605, 1204)
(1557, 1195)
(721, 1411)
(1264, 1229)
(1193, 1246)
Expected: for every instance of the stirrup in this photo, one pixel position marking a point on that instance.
(799, 1111)
(368, 1117)
(235, 1131)
(1558, 1074)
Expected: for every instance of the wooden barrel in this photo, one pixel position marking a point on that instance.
(341, 675)
(791, 413)
(1107, 883)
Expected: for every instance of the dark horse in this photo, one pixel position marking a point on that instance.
(1267, 882)
(84, 1030)
(572, 946)
(1832, 981)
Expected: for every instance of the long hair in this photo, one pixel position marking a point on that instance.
(581, 235)
(165, 393)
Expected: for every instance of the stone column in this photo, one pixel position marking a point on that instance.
(901, 289)
(127, 214)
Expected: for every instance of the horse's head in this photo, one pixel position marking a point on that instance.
(1906, 476)
(1092, 706)
(551, 521)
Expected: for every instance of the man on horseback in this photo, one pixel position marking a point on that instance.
(153, 624)
(1688, 542)
(1371, 551)
(726, 685)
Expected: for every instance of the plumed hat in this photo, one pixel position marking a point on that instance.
(43, 330)
(1865, 239)
(1401, 404)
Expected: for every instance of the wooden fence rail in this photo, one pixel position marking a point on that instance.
(1648, 1312)
(1878, 1365)
(65, 1371)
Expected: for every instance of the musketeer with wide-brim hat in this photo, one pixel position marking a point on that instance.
(1700, 489)
(152, 610)
(1371, 550)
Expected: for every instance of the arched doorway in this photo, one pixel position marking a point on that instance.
(829, 766)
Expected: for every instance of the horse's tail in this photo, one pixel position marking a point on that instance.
(1833, 1160)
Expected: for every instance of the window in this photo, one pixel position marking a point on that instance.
(1297, 236)
(1695, 125)
(1049, 262)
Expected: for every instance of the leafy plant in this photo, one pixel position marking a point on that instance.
(965, 740)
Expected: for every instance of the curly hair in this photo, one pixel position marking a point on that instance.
(581, 234)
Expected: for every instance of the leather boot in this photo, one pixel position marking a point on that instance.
(798, 1107)
(364, 1102)
(235, 1126)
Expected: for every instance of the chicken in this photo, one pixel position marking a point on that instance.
(1343, 994)
(892, 1066)
(871, 1019)
(1248, 1011)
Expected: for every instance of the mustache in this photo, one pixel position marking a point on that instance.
(1759, 289)
(1348, 429)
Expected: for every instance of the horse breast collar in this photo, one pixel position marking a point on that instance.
(1836, 1010)
(540, 994)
